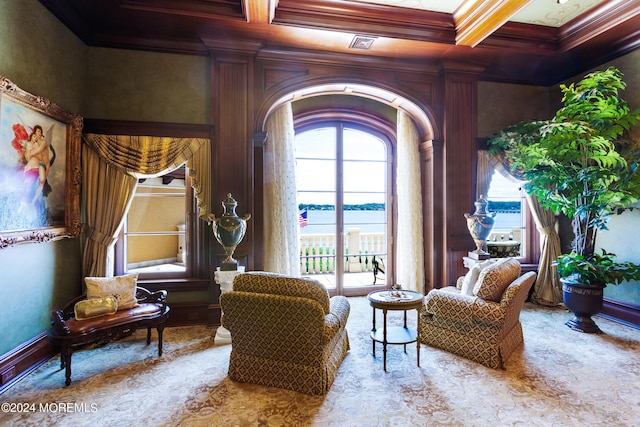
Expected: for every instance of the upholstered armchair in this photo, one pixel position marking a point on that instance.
(483, 323)
(285, 332)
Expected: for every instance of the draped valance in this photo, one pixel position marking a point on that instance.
(151, 156)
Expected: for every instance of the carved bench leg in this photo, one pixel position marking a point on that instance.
(148, 336)
(160, 331)
(65, 361)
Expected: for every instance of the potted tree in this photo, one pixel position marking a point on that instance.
(583, 164)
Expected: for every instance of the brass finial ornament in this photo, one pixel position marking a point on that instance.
(229, 231)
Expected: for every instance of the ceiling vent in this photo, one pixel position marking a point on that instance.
(362, 42)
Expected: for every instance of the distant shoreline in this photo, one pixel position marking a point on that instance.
(494, 206)
(358, 207)
(374, 221)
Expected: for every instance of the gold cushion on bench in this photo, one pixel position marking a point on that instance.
(95, 307)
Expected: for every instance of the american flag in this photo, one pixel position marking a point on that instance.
(302, 218)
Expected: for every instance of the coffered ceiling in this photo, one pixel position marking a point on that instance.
(527, 41)
(539, 12)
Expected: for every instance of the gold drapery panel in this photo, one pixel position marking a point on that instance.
(112, 165)
(547, 289)
(107, 195)
(484, 173)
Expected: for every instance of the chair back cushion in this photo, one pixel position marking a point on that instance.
(494, 279)
(279, 284)
(469, 280)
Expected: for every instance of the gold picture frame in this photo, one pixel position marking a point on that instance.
(40, 171)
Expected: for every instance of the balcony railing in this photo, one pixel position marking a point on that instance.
(318, 252)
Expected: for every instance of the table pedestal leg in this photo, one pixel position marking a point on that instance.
(384, 340)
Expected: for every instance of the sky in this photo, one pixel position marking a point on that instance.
(364, 169)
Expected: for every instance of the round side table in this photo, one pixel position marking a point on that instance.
(403, 335)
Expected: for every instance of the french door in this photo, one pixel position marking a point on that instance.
(343, 173)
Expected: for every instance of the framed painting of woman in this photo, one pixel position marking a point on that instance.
(39, 168)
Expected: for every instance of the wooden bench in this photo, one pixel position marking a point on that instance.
(66, 332)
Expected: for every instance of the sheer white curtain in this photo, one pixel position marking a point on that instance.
(281, 241)
(409, 239)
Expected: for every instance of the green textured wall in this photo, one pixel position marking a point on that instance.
(36, 278)
(41, 56)
(624, 230)
(145, 86)
(496, 103)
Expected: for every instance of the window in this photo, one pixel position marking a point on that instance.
(507, 199)
(153, 241)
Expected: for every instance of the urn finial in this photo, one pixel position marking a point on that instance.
(229, 230)
(480, 225)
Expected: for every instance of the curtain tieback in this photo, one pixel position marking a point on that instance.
(546, 230)
(99, 237)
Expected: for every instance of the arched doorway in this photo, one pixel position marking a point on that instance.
(392, 102)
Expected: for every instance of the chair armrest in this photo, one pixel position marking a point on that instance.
(489, 313)
(337, 318)
(340, 308)
(519, 289)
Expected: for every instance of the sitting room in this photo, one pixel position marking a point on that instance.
(334, 212)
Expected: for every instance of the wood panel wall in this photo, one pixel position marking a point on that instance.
(245, 87)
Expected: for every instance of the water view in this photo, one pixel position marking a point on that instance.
(323, 222)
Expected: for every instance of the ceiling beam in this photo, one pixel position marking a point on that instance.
(257, 11)
(475, 20)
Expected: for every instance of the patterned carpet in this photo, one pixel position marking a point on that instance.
(559, 378)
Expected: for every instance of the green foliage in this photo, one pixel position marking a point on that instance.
(579, 162)
(596, 269)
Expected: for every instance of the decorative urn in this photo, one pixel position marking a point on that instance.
(229, 231)
(480, 225)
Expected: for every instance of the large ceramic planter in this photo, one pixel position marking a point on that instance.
(584, 301)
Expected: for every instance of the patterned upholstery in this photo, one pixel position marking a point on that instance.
(285, 332)
(494, 279)
(481, 330)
